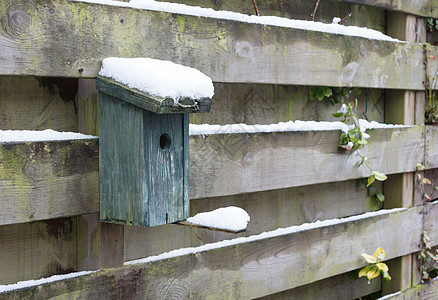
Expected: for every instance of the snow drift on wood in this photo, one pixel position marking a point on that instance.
(228, 218)
(298, 125)
(158, 77)
(17, 136)
(265, 20)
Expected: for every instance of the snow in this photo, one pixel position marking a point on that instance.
(206, 129)
(264, 235)
(390, 296)
(265, 20)
(29, 283)
(158, 77)
(16, 136)
(228, 218)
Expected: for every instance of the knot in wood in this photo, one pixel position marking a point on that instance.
(19, 23)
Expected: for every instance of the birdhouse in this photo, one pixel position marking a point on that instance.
(144, 154)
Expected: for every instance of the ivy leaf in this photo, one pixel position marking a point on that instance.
(382, 267)
(379, 176)
(380, 197)
(379, 254)
(364, 271)
(386, 276)
(319, 92)
(373, 273)
(420, 167)
(370, 259)
(371, 179)
(426, 181)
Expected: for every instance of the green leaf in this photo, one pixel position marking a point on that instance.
(319, 92)
(372, 190)
(337, 115)
(379, 176)
(371, 180)
(380, 197)
(386, 276)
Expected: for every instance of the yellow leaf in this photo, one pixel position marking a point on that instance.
(370, 259)
(364, 271)
(379, 254)
(382, 267)
(373, 273)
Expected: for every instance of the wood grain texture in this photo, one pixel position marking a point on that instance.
(45, 180)
(230, 164)
(340, 287)
(363, 16)
(269, 210)
(33, 103)
(425, 8)
(240, 271)
(431, 151)
(269, 104)
(227, 51)
(37, 249)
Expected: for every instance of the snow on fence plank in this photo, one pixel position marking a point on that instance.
(224, 50)
(261, 266)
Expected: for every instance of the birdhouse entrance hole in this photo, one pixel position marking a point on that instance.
(165, 141)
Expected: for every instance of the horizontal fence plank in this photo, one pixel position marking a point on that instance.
(364, 16)
(268, 210)
(270, 104)
(228, 164)
(343, 286)
(227, 51)
(251, 269)
(46, 180)
(37, 249)
(425, 8)
(431, 151)
(56, 179)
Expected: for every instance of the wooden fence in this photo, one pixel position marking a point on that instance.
(50, 53)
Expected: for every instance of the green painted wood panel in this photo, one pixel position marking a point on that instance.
(143, 164)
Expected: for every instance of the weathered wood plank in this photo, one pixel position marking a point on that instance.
(251, 269)
(230, 164)
(45, 180)
(270, 104)
(37, 249)
(37, 103)
(245, 52)
(425, 8)
(334, 288)
(431, 147)
(364, 16)
(268, 210)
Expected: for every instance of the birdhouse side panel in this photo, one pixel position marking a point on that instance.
(121, 164)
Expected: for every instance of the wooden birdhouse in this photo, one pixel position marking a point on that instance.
(144, 155)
